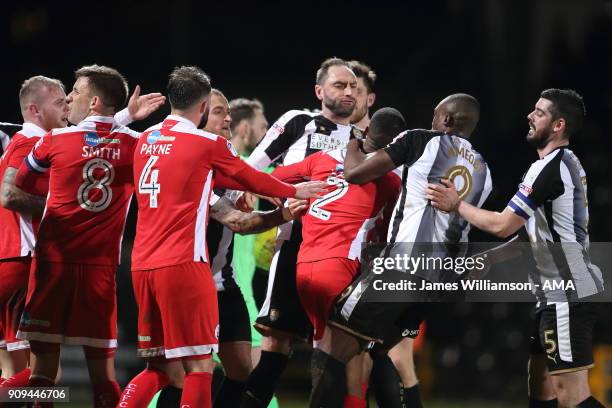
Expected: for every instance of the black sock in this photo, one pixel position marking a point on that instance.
(262, 381)
(217, 381)
(328, 381)
(412, 398)
(590, 403)
(534, 403)
(170, 397)
(388, 386)
(230, 394)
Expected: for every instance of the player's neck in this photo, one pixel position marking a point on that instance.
(35, 121)
(363, 123)
(335, 118)
(193, 117)
(550, 147)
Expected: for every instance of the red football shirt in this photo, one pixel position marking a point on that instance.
(90, 187)
(336, 225)
(18, 230)
(174, 164)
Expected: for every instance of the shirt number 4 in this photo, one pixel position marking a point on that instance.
(151, 187)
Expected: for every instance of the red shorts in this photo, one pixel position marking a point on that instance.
(71, 304)
(14, 277)
(319, 283)
(178, 314)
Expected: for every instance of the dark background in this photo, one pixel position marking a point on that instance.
(503, 52)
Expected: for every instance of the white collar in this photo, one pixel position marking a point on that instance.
(35, 130)
(182, 120)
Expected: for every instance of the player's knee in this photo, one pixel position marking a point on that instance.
(198, 364)
(277, 344)
(570, 389)
(42, 348)
(97, 353)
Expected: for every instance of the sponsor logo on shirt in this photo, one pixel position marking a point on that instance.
(231, 148)
(525, 189)
(92, 139)
(278, 129)
(410, 333)
(462, 179)
(156, 136)
(325, 142)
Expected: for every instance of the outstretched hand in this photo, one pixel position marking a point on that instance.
(311, 189)
(141, 106)
(443, 197)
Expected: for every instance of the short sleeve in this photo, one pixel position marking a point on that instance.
(408, 146)
(39, 158)
(541, 183)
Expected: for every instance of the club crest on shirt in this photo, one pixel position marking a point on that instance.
(274, 315)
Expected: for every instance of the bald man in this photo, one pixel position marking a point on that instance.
(362, 317)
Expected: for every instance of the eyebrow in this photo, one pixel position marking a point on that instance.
(540, 110)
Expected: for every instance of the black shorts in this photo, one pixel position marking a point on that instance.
(564, 332)
(234, 324)
(377, 322)
(282, 310)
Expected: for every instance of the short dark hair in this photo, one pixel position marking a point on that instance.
(385, 125)
(106, 83)
(566, 104)
(243, 109)
(364, 72)
(186, 86)
(326, 65)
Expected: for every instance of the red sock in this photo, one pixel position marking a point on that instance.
(18, 380)
(140, 391)
(364, 388)
(106, 394)
(352, 401)
(196, 391)
(41, 382)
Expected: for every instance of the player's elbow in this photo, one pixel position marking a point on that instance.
(502, 231)
(5, 202)
(353, 176)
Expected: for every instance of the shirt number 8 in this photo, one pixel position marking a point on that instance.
(102, 200)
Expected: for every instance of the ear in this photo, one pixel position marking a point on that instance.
(371, 99)
(448, 121)
(319, 92)
(203, 106)
(94, 103)
(33, 109)
(559, 125)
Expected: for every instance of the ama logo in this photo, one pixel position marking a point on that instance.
(91, 139)
(154, 137)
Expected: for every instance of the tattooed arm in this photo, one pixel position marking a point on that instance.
(14, 199)
(254, 222)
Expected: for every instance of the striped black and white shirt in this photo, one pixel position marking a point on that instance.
(427, 157)
(553, 199)
(220, 241)
(294, 136)
(7, 130)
